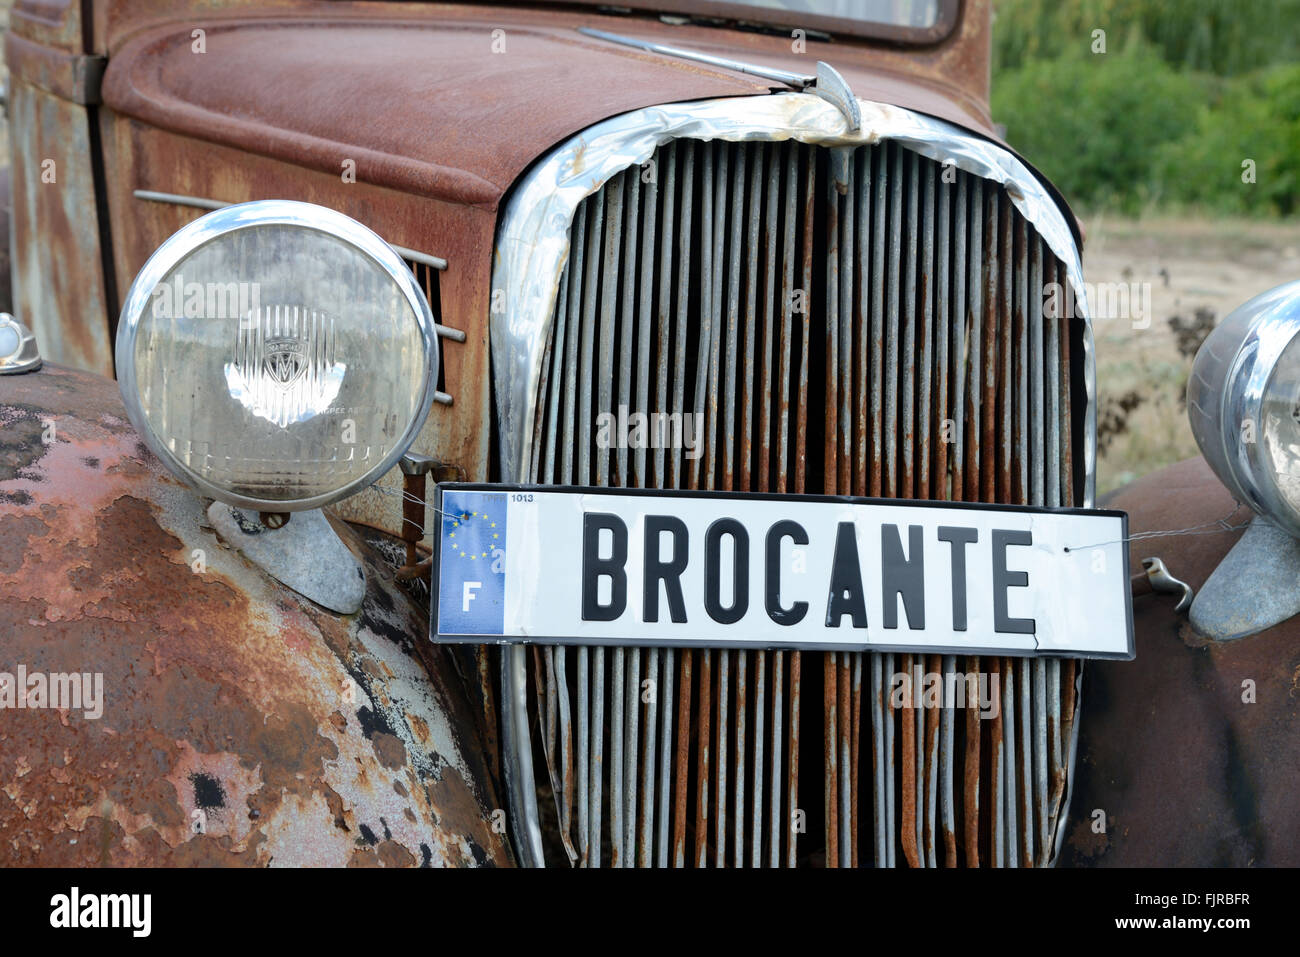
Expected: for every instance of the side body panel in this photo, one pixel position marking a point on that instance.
(58, 267)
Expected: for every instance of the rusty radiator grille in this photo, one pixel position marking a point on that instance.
(427, 278)
(846, 320)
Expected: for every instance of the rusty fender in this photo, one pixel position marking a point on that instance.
(239, 723)
(1192, 751)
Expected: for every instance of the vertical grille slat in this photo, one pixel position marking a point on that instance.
(878, 185)
(665, 759)
(770, 226)
(830, 790)
(907, 369)
(682, 760)
(631, 755)
(644, 828)
(887, 307)
(890, 279)
(946, 761)
(720, 806)
(1026, 806)
(703, 749)
(683, 296)
(756, 822)
(931, 768)
(741, 812)
(616, 767)
(775, 818)
(844, 725)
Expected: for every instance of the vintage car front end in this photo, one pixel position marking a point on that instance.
(757, 289)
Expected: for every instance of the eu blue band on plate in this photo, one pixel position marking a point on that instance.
(472, 574)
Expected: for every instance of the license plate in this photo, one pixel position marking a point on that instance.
(602, 566)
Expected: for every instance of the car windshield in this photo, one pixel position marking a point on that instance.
(925, 21)
(899, 13)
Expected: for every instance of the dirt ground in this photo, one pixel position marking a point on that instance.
(1191, 264)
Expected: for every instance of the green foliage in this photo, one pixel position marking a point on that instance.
(1255, 118)
(1223, 37)
(1093, 124)
(1185, 91)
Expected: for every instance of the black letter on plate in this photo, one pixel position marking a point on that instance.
(902, 575)
(795, 532)
(669, 572)
(846, 596)
(713, 571)
(1003, 579)
(594, 567)
(959, 537)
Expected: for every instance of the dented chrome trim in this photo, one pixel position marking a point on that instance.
(517, 757)
(533, 239)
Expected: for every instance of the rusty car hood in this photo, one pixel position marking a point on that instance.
(417, 98)
(241, 723)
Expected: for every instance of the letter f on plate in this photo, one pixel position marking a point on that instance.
(467, 594)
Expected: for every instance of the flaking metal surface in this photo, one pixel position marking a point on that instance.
(241, 724)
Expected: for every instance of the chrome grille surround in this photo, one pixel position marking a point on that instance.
(531, 257)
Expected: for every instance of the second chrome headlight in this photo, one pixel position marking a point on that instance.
(1243, 401)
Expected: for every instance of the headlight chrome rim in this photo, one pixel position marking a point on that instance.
(291, 213)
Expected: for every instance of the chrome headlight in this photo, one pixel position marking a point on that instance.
(277, 355)
(1243, 400)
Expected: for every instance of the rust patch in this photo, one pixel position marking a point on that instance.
(19, 530)
(226, 735)
(20, 441)
(389, 749)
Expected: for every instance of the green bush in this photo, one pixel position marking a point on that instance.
(1256, 118)
(1099, 125)
(1223, 37)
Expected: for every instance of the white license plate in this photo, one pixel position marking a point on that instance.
(626, 566)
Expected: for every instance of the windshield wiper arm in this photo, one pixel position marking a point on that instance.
(827, 83)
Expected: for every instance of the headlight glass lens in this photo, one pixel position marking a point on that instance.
(280, 357)
(1280, 426)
